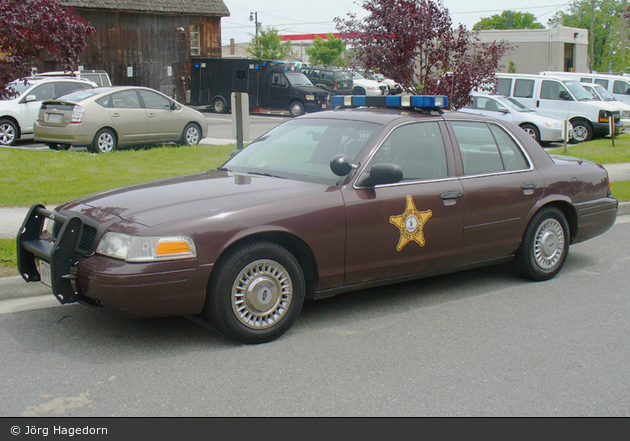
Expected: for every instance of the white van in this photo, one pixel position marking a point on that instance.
(564, 99)
(600, 93)
(617, 85)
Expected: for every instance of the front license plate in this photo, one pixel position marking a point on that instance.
(44, 273)
(53, 117)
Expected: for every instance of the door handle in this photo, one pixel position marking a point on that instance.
(151, 115)
(115, 114)
(451, 195)
(528, 186)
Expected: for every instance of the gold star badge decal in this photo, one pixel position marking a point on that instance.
(411, 224)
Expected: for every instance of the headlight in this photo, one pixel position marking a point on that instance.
(146, 249)
(310, 97)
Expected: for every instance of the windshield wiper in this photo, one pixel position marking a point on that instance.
(269, 175)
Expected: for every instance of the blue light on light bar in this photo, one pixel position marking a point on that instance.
(399, 101)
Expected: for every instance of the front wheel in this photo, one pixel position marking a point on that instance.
(545, 246)
(296, 108)
(359, 91)
(8, 132)
(104, 142)
(532, 131)
(582, 131)
(256, 293)
(191, 135)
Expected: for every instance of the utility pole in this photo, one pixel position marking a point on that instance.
(624, 19)
(592, 36)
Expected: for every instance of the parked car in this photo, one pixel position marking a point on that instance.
(328, 202)
(106, 118)
(544, 129)
(599, 93)
(334, 80)
(394, 87)
(100, 77)
(18, 114)
(365, 86)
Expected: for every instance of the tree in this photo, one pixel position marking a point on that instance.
(413, 42)
(509, 20)
(606, 29)
(269, 46)
(33, 29)
(328, 52)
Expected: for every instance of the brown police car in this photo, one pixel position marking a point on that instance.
(325, 203)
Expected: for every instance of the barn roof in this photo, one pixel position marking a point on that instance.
(188, 7)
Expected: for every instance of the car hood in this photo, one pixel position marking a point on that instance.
(312, 89)
(204, 194)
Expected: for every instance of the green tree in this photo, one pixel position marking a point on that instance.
(509, 20)
(269, 46)
(607, 16)
(329, 52)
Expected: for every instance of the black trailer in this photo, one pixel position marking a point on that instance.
(270, 85)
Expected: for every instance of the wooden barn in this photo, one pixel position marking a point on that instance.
(149, 42)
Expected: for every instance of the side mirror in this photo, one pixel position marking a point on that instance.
(341, 165)
(381, 174)
(30, 98)
(503, 109)
(563, 95)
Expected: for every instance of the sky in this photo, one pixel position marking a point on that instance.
(316, 16)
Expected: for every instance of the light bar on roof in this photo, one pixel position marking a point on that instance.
(418, 101)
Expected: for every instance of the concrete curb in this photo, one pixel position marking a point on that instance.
(15, 286)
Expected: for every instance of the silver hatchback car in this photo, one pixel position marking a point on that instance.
(108, 117)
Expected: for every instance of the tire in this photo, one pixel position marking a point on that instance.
(8, 132)
(545, 246)
(191, 135)
(358, 91)
(54, 146)
(218, 105)
(256, 293)
(582, 131)
(296, 109)
(532, 131)
(104, 142)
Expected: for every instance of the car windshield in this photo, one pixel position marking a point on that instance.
(514, 104)
(298, 79)
(604, 93)
(77, 95)
(302, 149)
(577, 90)
(340, 75)
(19, 86)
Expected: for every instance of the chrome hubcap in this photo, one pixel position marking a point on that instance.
(580, 133)
(105, 143)
(549, 244)
(261, 294)
(7, 134)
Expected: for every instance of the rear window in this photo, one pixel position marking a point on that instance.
(77, 96)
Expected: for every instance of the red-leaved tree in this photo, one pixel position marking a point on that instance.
(414, 43)
(30, 29)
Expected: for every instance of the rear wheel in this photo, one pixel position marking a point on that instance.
(545, 246)
(582, 131)
(296, 109)
(256, 293)
(8, 132)
(104, 141)
(532, 131)
(191, 135)
(359, 91)
(219, 105)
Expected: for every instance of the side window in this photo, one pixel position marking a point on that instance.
(154, 101)
(553, 90)
(621, 87)
(486, 148)
(602, 83)
(504, 86)
(487, 104)
(279, 80)
(524, 88)
(43, 92)
(195, 40)
(418, 149)
(240, 75)
(127, 99)
(63, 88)
(586, 80)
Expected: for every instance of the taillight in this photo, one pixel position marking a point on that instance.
(335, 86)
(77, 115)
(609, 188)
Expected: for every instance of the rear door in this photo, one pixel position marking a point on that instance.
(128, 117)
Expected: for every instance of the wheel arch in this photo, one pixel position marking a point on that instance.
(566, 207)
(296, 246)
(14, 121)
(113, 129)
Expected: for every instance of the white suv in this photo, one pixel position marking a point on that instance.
(18, 114)
(365, 86)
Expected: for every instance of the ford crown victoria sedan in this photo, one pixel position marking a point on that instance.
(328, 202)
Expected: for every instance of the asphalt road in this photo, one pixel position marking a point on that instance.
(478, 343)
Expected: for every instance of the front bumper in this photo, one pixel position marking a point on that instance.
(155, 289)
